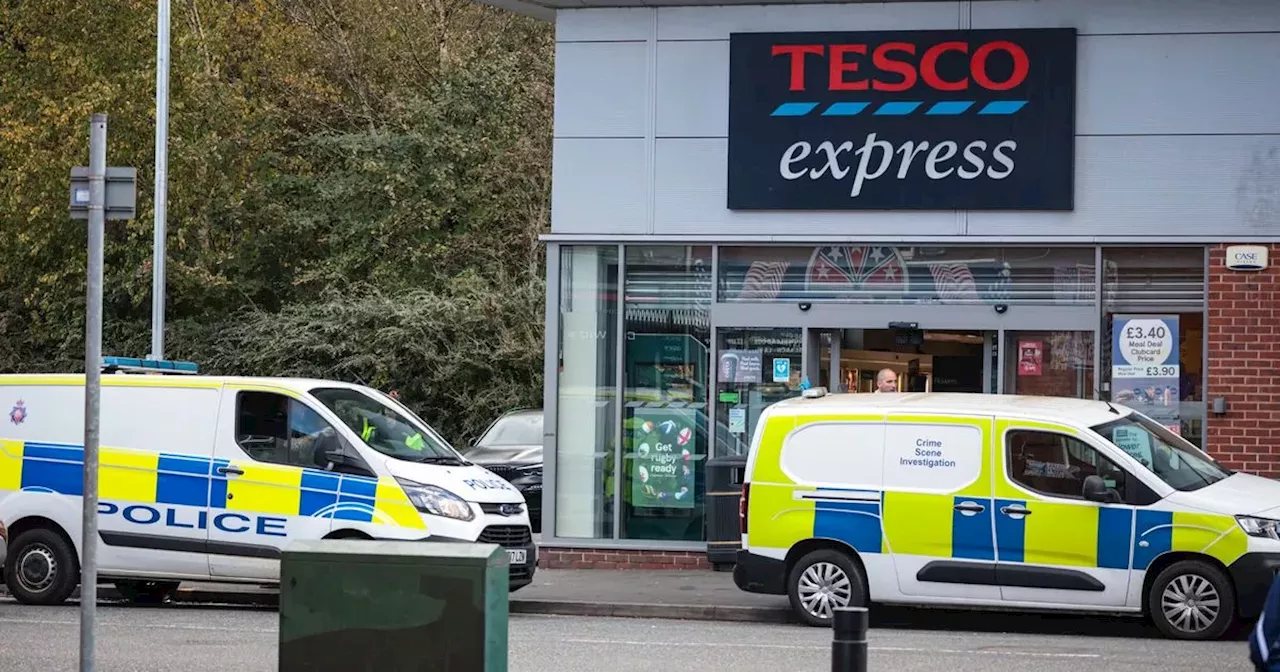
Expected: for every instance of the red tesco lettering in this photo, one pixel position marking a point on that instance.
(896, 59)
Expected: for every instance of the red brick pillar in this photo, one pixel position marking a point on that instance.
(1244, 364)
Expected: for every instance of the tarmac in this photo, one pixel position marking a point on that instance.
(694, 595)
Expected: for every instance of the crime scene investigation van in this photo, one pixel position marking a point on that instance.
(1000, 501)
(208, 478)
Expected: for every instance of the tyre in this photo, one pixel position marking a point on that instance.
(820, 582)
(1192, 599)
(42, 568)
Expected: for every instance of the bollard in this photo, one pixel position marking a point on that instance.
(849, 640)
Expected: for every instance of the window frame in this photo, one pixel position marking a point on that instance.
(354, 462)
(1134, 493)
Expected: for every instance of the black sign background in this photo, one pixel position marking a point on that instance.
(1043, 128)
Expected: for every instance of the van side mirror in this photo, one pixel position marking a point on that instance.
(1096, 490)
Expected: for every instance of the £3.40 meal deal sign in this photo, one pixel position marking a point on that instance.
(1145, 370)
(939, 120)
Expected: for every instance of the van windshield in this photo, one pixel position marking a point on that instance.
(1170, 457)
(392, 431)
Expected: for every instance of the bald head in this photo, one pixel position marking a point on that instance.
(886, 381)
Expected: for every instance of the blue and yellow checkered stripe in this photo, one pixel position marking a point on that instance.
(1107, 537)
(184, 480)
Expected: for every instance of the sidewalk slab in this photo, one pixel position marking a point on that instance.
(668, 594)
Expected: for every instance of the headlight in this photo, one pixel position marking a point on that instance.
(436, 501)
(1259, 527)
(525, 472)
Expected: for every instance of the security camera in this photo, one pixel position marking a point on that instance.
(1001, 308)
(806, 306)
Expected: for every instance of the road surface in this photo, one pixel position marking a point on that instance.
(197, 639)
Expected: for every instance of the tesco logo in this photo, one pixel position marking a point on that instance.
(904, 66)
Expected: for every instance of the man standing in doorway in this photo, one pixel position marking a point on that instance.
(886, 381)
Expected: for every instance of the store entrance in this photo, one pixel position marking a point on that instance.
(924, 360)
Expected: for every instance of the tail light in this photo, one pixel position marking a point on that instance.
(742, 507)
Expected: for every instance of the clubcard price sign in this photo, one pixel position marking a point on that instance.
(1145, 370)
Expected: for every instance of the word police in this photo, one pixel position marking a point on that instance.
(225, 521)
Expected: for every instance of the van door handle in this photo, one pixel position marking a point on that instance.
(231, 470)
(971, 506)
(1015, 510)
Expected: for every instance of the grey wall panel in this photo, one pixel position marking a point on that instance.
(598, 186)
(1161, 187)
(693, 89)
(715, 23)
(601, 89)
(604, 25)
(1151, 84)
(689, 195)
(1130, 17)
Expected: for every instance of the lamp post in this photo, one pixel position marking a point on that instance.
(162, 179)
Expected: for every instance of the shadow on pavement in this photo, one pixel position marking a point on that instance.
(905, 618)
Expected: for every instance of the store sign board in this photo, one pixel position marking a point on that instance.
(925, 120)
(1247, 257)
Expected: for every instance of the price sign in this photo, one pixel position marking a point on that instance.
(1145, 347)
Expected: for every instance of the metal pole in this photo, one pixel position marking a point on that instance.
(92, 382)
(162, 179)
(849, 640)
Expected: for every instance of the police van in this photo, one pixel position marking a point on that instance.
(1000, 501)
(208, 478)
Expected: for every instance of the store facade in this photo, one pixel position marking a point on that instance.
(1042, 197)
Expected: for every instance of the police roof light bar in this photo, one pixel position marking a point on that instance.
(135, 365)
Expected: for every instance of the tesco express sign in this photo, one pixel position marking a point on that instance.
(1247, 257)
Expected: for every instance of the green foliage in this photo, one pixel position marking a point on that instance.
(355, 190)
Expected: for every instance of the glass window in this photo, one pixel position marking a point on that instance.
(1049, 363)
(886, 274)
(746, 382)
(665, 442)
(1165, 284)
(1171, 458)
(1056, 464)
(276, 429)
(384, 428)
(587, 357)
(515, 429)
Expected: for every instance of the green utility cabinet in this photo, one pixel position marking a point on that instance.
(393, 606)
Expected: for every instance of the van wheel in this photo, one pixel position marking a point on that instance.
(42, 568)
(1193, 600)
(820, 582)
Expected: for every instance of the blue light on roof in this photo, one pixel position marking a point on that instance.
(158, 365)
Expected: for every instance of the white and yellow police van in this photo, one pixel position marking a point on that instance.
(208, 478)
(1022, 503)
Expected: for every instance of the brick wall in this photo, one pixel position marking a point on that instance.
(593, 558)
(1244, 364)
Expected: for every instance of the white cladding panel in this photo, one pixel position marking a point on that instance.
(1176, 122)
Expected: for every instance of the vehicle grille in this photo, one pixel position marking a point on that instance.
(502, 470)
(514, 536)
(496, 509)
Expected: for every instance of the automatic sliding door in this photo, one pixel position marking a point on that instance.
(1049, 363)
(754, 368)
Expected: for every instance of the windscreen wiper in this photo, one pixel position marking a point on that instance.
(444, 459)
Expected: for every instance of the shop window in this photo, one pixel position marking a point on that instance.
(1153, 329)
(1049, 363)
(748, 380)
(667, 293)
(586, 427)
(886, 274)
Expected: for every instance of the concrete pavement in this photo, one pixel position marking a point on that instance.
(214, 640)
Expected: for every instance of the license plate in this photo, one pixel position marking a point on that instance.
(517, 556)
